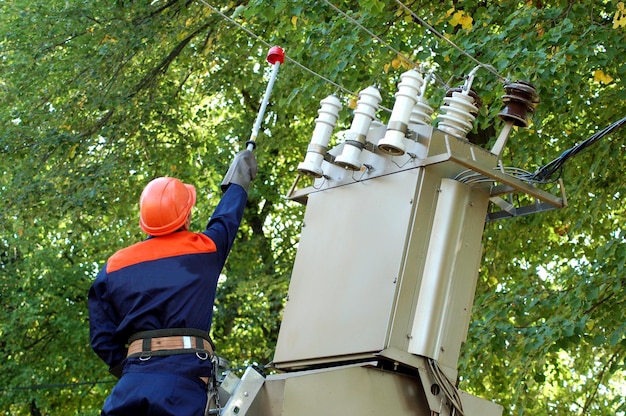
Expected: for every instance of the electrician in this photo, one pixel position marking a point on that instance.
(151, 305)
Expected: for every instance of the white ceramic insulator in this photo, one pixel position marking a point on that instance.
(364, 113)
(324, 125)
(456, 114)
(365, 110)
(406, 97)
(422, 112)
(326, 120)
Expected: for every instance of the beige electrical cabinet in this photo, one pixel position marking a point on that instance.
(385, 262)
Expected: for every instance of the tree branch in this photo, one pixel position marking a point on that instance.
(598, 303)
(162, 67)
(599, 378)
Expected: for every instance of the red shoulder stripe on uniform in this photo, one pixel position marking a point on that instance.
(171, 245)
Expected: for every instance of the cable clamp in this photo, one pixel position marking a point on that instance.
(317, 148)
(398, 126)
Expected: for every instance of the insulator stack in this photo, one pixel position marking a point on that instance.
(324, 125)
(422, 112)
(406, 98)
(458, 112)
(521, 98)
(355, 137)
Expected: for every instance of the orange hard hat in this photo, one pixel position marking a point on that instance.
(164, 205)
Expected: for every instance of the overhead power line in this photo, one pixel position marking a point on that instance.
(58, 385)
(417, 18)
(545, 173)
(369, 32)
(424, 23)
(379, 39)
(298, 64)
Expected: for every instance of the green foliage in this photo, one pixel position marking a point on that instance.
(99, 97)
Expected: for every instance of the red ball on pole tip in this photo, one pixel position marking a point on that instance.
(276, 54)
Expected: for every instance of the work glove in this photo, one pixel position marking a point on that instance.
(241, 171)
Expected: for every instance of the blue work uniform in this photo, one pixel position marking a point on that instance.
(162, 283)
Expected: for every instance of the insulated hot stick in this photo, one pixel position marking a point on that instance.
(275, 56)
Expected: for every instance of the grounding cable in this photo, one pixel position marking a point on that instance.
(424, 23)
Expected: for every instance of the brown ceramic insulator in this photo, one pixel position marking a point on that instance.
(477, 101)
(520, 99)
